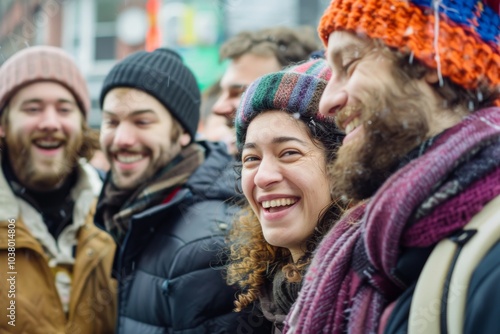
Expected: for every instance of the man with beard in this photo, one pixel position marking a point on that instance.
(56, 262)
(416, 89)
(251, 55)
(166, 201)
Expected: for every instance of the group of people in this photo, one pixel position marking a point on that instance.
(359, 192)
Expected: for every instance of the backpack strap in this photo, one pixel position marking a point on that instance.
(457, 257)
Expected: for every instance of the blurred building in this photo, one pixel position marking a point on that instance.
(99, 32)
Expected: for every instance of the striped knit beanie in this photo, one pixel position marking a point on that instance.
(296, 90)
(163, 75)
(459, 38)
(42, 63)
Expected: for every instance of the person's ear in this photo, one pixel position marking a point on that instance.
(431, 77)
(3, 121)
(185, 139)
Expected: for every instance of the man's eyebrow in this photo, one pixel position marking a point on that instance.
(133, 113)
(342, 52)
(39, 100)
(66, 101)
(32, 101)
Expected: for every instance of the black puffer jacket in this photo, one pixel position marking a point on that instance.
(168, 265)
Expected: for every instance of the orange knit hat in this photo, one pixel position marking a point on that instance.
(42, 63)
(466, 48)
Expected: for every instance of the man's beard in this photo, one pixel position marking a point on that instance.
(167, 154)
(29, 173)
(393, 124)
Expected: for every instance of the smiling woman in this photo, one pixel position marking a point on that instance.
(284, 148)
(284, 179)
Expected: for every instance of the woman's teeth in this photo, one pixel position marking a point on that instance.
(278, 202)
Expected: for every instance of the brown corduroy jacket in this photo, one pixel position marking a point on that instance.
(28, 295)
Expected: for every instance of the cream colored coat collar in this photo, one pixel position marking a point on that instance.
(84, 192)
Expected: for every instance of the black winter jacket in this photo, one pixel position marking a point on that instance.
(169, 264)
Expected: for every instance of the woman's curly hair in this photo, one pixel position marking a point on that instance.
(252, 260)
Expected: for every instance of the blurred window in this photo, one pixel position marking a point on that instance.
(105, 47)
(105, 29)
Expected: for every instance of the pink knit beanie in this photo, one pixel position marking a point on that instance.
(42, 63)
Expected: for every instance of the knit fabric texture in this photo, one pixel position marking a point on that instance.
(459, 38)
(353, 275)
(42, 63)
(161, 74)
(296, 90)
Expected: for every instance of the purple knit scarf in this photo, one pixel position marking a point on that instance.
(351, 278)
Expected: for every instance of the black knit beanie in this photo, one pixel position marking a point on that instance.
(161, 74)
